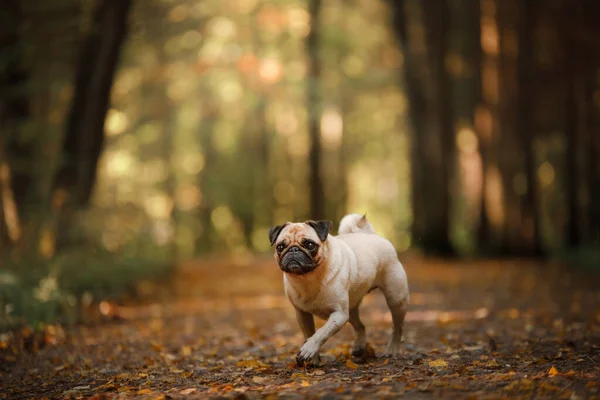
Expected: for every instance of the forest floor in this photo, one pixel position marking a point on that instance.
(502, 329)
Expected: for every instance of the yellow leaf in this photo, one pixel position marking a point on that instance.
(187, 391)
(186, 351)
(252, 364)
(492, 364)
(144, 391)
(553, 371)
(305, 383)
(439, 363)
(351, 364)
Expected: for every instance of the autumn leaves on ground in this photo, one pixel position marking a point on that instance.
(512, 329)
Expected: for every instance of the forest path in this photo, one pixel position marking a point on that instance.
(224, 329)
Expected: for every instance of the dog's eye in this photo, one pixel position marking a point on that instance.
(310, 245)
(280, 247)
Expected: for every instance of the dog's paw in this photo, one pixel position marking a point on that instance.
(393, 350)
(359, 350)
(308, 354)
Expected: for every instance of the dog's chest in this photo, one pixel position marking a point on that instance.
(310, 301)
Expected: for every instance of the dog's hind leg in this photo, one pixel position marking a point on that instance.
(395, 290)
(360, 343)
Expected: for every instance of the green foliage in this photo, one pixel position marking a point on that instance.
(34, 291)
(586, 257)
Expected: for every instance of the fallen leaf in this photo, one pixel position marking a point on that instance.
(424, 387)
(61, 367)
(318, 372)
(186, 351)
(492, 364)
(188, 391)
(351, 364)
(305, 383)
(553, 371)
(439, 363)
(157, 346)
(144, 391)
(252, 364)
(259, 379)
(300, 375)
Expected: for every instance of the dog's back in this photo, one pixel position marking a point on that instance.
(372, 246)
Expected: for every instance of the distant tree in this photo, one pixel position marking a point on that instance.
(84, 138)
(432, 140)
(571, 64)
(18, 151)
(526, 86)
(314, 106)
(204, 241)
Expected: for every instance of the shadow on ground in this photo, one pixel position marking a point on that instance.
(492, 329)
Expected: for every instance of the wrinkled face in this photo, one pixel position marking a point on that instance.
(299, 247)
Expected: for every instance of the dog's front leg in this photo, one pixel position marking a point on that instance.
(311, 347)
(306, 321)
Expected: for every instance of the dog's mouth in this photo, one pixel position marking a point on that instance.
(296, 262)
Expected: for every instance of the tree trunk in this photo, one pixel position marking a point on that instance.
(438, 25)
(84, 137)
(15, 105)
(530, 228)
(490, 231)
(587, 29)
(570, 58)
(317, 198)
(432, 144)
(204, 241)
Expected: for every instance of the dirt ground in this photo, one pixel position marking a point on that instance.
(493, 329)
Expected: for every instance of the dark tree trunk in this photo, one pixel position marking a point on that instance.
(570, 58)
(526, 129)
(15, 104)
(436, 15)
(84, 137)
(317, 198)
(585, 32)
(432, 144)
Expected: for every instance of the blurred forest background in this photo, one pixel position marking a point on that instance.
(136, 133)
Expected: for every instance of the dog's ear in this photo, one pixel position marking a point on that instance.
(321, 227)
(274, 232)
(362, 222)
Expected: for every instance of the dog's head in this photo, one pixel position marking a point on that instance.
(300, 246)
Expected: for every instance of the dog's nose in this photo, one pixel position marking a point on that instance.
(294, 249)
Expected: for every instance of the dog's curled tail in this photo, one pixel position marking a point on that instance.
(354, 223)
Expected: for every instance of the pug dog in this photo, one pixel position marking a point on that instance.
(328, 276)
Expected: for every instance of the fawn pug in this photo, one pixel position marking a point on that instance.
(328, 276)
